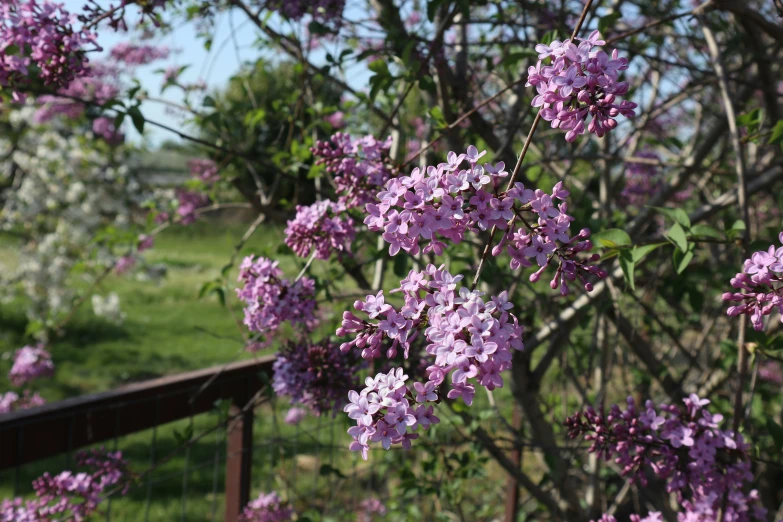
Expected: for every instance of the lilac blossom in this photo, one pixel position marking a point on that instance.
(267, 507)
(317, 376)
(575, 82)
(12, 401)
(463, 337)
(703, 465)
(69, 494)
(322, 228)
(30, 363)
(271, 300)
(762, 282)
(386, 413)
(441, 205)
(37, 39)
(359, 166)
(136, 54)
(104, 127)
(369, 509)
(295, 415)
(188, 203)
(204, 169)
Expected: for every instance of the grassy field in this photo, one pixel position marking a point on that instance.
(168, 329)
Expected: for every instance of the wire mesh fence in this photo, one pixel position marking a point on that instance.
(201, 445)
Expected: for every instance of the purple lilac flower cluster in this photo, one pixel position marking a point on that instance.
(370, 509)
(642, 180)
(578, 82)
(104, 127)
(702, 464)
(762, 280)
(37, 40)
(145, 242)
(188, 203)
(443, 203)
(271, 300)
(138, 54)
(266, 508)
(318, 376)
(359, 166)
(652, 517)
(323, 10)
(12, 401)
(294, 416)
(388, 412)
(204, 169)
(463, 336)
(321, 227)
(70, 495)
(99, 87)
(31, 362)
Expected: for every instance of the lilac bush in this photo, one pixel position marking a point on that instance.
(635, 209)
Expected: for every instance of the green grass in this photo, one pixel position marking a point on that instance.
(168, 329)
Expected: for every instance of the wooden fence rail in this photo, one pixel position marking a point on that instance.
(64, 426)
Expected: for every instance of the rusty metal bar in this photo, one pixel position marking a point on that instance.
(239, 461)
(512, 487)
(70, 424)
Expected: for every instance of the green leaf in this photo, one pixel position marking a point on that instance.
(628, 264)
(681, 260)
(427, 84)
(605, 22)
(327, 470)
(777, 133)
(549, 37)
(736, 229)
(137, 118)
(119, 119)
(612, 238)
(702, 230)
(751, 120)
(317, 28)
(776, 431)
(677, 215)
(640, 251)
(677, 236)
(401, 264)
(34, 327)
(213, 287)
(432, 8)
(185, 436)
(379, 67)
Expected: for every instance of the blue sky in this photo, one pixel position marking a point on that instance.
(214, 67)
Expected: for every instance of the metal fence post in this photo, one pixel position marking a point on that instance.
(512, 487)
(239, 460)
